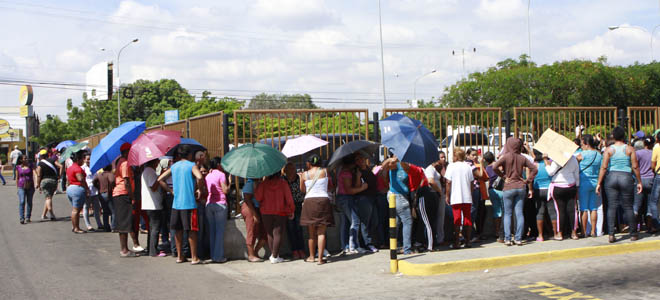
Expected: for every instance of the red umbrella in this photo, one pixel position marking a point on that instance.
(152, 145)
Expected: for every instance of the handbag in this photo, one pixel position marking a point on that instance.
(498, 183)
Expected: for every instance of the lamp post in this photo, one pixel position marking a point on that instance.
(118, 81)
(415, 86)
(652, 33)
(382, 59)
(529, 33)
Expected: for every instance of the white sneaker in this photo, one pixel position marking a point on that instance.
(326, 253)
(351, 251)
(275, 260)
(138, 249)
(360, 250)
(373, 249)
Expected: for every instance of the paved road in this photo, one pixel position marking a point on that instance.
(44, 260)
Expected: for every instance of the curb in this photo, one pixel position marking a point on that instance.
(477, 264)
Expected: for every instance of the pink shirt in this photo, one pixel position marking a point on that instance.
(214, 185)
(340, 181)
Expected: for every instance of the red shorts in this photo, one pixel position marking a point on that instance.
(462, 212)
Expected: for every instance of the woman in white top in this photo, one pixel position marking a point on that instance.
(317, 210)
(563, 191)
(92, 199)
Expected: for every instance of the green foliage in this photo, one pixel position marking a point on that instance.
(149, 102)
(515, 83)
(297, 101)
(52, 130)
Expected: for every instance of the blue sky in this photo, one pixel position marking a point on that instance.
(327, 48)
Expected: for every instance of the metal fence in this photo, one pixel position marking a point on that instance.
(531, 122)
(479, 128)
(644, 118)
(206, 129)
(275, 127)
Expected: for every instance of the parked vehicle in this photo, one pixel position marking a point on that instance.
(465, 141)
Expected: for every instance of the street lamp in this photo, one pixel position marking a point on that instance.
(118, 81)
(382, 59)
(415, 86)
(652, 33)
(529, 33)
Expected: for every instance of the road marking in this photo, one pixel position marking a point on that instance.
(552, 291)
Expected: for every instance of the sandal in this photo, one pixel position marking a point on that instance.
(196, 262)
(310, 261)
(612, 239)
(255, 260)
(322, 262)
(129, 254)
(181, 261)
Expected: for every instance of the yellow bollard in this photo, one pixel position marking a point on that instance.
(394, 263)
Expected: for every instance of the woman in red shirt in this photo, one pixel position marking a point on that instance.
(276, 204)
(77, 190)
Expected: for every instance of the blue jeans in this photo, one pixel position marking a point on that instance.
(404, 216)
(620, 188)
(513, 200)
(25, 197)
(365, 208)
(350, 223)
(76, 195)
(108, 211)
(379, 220)
(216, 214)
(3, 178)
(94, 201)
(474, 210)
(647, 187)
(652, 207)
(294, 232)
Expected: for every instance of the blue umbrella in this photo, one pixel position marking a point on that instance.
(409, 140)
(194, 145)
(65, 144)
(108, 148)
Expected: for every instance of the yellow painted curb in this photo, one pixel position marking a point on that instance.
(476, 264)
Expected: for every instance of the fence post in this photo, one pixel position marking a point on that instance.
(623, 119)
(225, 134)
(507, 127)
(376, 136)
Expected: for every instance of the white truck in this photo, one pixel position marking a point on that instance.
(465, 137)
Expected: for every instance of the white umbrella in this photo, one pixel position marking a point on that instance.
(302, 145)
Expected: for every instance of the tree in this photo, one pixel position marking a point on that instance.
(514, 83)
(149, 101)
(297, 101)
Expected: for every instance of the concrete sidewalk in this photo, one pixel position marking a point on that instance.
(491, 255)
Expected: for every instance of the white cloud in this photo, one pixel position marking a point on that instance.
(73, 60)
(501, 9)
(620, 45)
(136, 12)
(295, 14)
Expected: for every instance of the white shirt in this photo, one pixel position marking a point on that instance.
(150, 200)
(14, 155)
(432, 173)
(568, 175)
(89, 178)
(460, 175)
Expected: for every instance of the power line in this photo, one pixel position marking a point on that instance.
(228, 35)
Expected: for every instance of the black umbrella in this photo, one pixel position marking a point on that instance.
(350, 148)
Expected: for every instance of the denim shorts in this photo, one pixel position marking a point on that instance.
(76, 195)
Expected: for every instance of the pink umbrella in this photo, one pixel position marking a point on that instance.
(152, 145)
(302, 145)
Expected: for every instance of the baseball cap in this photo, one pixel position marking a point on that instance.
(640, 134)
(43, 152)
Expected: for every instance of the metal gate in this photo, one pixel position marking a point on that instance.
(470, 127)
(531, 122)
(644, 118)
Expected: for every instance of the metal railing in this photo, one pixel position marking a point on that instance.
(531, 122)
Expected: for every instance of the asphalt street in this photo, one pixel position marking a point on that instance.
(45, 260)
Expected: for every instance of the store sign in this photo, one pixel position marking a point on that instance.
(25, 95)
(26, 111)
(4, 126)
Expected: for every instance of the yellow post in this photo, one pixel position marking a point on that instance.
(394, 263)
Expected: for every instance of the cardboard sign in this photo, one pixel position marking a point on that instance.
(558, 147)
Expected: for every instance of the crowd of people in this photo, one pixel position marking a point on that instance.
(183, 200)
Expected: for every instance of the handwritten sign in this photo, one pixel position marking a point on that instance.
(558, 147)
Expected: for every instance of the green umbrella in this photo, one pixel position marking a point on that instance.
(71, 150)
(253, 161)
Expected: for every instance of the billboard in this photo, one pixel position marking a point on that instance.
(97, 81)
(171, 116)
